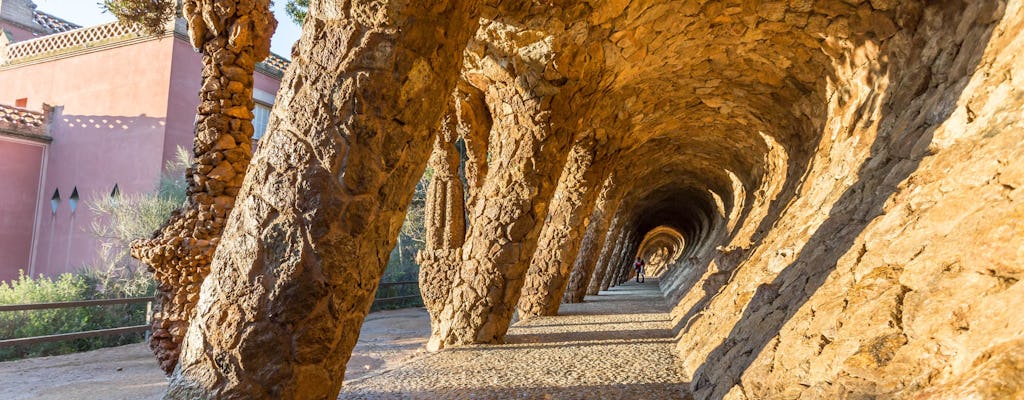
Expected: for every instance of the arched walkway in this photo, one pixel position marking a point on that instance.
(615, 345)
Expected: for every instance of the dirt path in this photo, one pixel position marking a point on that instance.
(387, 339)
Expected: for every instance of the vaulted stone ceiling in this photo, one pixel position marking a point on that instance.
(790, 160)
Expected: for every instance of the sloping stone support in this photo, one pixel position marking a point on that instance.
(556, 253)
(612, 264)
(474, 127)
(624, 261)
(232, 37)
(615, 262)
(445, 224)
(607, 260)
(508, 215)
(584, 269)
(323, 201)
(602, 269)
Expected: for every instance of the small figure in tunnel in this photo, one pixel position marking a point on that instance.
(639, 267)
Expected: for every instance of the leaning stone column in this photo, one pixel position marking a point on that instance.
(232, 37)
(561, 234)
(621, 263)
(601, 270)
(625, 260)
(593, 242)
(445, 224)
(509, 211)
(474, 127)
(324, 198)
(611, 263)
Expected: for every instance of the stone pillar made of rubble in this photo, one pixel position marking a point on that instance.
(474, 126)
(628, 257)
(232, 37)
(509, 211)
(444, 222)
(323, 201)
(622, 262)
(590, 249)
(611, 265)
(602, 269)
(551, 264)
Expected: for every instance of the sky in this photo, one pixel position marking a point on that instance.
(90, 12)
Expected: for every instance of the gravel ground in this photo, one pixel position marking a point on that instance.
(618, 345)
(387, 339)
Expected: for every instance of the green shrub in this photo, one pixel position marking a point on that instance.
(113, 275)
(66, 287)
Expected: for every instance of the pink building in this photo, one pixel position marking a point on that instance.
(93, 109)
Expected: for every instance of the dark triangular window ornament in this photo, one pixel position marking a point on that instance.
(73, 200)
(55, 201)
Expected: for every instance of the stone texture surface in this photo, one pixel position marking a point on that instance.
(445, 223)
(891, 269)
(525, 153)
(232, 37)
(323, 200)
(559, 241)
(617, 345)
(585, 267)
(830, 190)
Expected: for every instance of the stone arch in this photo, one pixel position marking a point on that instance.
(713, 119)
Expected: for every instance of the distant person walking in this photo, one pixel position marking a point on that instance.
(639, 267)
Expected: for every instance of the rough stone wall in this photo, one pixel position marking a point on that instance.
(590, 249)
(445, 224)
(562, 231)
(323, 200)
(232, 37)
(893, 269)
(844, 178)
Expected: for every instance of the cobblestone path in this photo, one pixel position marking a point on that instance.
(617, 345)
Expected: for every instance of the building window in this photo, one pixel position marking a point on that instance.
(261, 115)
(55, 201)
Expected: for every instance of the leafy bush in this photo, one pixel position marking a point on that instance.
(66, 287)
(121, 219)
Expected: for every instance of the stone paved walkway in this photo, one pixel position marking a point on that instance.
(617, 345)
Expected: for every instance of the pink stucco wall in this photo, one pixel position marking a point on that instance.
(266, 83)
(19, 182)
(109, 129)
(121, 114)
(185, 81)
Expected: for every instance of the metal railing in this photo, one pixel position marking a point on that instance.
(385, 285)
(77, 335)
(136, 328)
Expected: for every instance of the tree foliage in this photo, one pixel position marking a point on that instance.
(297, 10)
(150, 15)
(120, 220)
(66, 287)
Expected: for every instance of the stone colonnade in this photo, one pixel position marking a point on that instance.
(587, 133)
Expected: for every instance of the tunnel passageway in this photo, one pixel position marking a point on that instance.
(616, 345)
(801, 176)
